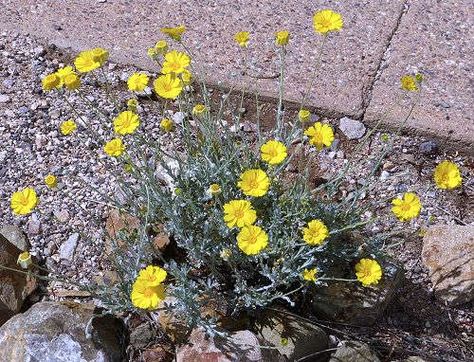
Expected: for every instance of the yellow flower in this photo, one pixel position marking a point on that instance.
(186, 77)
(325, 21)
(161, 47)
(315, 232)
(137, 82)
(151, 52)
(282, 37)
(407, 207)
(199, 109)
(252, 239)
(242, 38)
(51, 181)
(168, 86)
(304, 115)
(24, 201)
(174, 33)
(167, 125)
(132, 104)
(145, 296)
(239, 213)
(100, 55)
(86, 62)
(126, 123)
(114, 148)
(67, 127)
(24, 260)
(175, 62)
(273, 152)
(63, 72)
(152, 275)
(408, 83)
(368, 272)
(72, 81)
(320, 135)
(309, 274)
(51, 81)
(254, 182)
(447, 175)
(214, 189)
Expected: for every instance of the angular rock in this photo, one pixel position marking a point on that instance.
(352, 303)
(293, 337)
(118, 222)
(352, 351)
(15, 236)
(448, 253)
(428, 147)
(51, 331)
(14, 286)
(67, 249)
(241, 346)
(351, 128)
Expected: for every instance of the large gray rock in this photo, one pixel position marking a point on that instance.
(351, 351)
(352, 303)
(15, 286)
(448, 253)
(55, 332)
(15, 236)
(293, 337)
(351, 128)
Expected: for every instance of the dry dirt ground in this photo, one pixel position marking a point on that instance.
(31, 147)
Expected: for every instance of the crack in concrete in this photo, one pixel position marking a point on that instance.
(367, 97)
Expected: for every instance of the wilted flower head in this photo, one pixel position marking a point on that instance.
(199, 109)
(214, 189)
(167, 125)
(132, 104)
(72, 81)
(51, 181)
(242, 38)
(24, 260)
(161, 47)
(174, 33)
(304, 115)
(325, 21)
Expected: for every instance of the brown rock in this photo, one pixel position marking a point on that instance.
(116, 222)
(448, 253)
(14, 286)
(161, 240)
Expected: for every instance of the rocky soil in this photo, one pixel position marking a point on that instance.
(67, 231)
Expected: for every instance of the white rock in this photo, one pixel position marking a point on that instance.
(4, 98)
(67, 249)
(351, 128)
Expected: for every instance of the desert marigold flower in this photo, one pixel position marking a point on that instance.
(447, 175)
(174, 33)
(310, 274)
(368, 272)
(63, 72)
(304, 115)
(252, 239)
(273, 152)
(186, 77)
(137, 82)
(167, 125)
(86, 62)
(214, 189)
(146, 296)
(67, 127)
(407, 207)
(409, 83)
(72, 81)
(315, 232)
(114, 148)
(175, 62)
(325, 21)
(161, 47)
(24, 201)
(254, 182)
(152, 275)
(168, 86)
(282, 37)
(199, 109)
(239, 213)
(51, 81)
(126, 123)
(24, 260)
(100, 55)
(320, 135)
(242, 38)
(132, 104)
(51, 181)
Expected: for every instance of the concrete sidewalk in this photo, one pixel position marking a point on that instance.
(361, 65)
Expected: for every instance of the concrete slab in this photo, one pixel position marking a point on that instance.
(350, 60)
(435, 38)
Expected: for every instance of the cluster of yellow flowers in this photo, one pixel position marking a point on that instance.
(148, 290)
